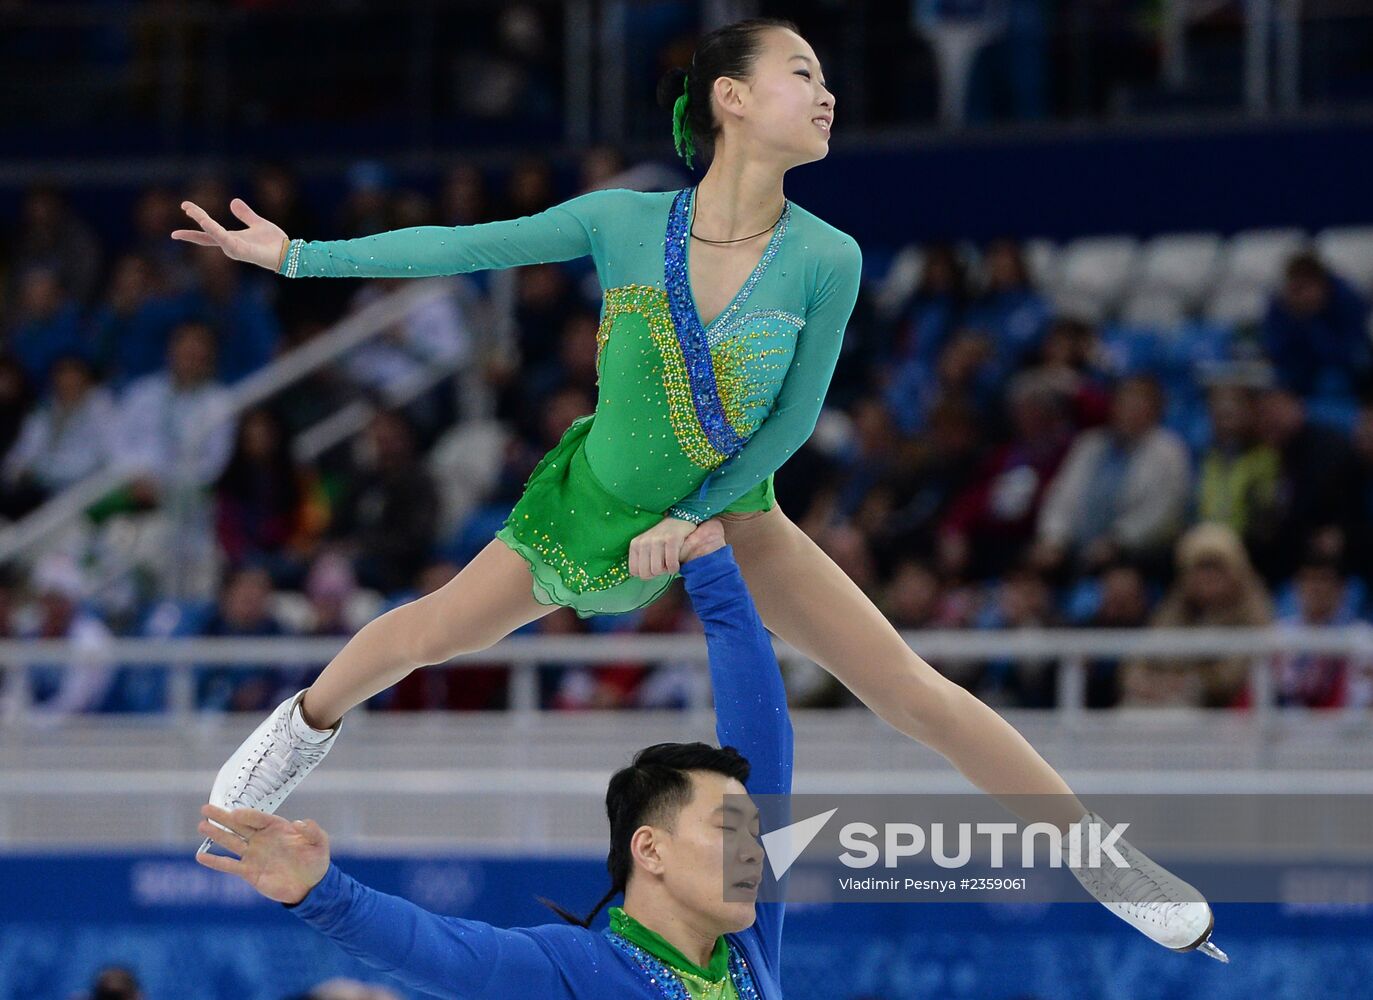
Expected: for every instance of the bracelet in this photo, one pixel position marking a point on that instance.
(292, 259)
(281, 257)
(685, 515)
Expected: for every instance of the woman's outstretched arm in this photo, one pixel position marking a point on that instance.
(563, 232)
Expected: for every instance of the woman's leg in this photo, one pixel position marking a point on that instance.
(809, 603)
(485, 602)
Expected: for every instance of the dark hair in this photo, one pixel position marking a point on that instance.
(1306, 265)
(726, 51)
(653, 790)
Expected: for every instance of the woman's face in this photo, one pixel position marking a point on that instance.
(784, 107)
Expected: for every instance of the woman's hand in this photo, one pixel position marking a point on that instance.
(658, 550)
(280, 859)
(261, 243)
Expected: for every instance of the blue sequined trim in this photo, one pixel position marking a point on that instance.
(660, 974)
(687, 322)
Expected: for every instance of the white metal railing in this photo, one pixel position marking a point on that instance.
(1073, 649)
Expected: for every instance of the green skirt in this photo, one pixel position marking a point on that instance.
(575, 534)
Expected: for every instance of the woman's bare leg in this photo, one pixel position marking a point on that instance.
(809, 603)
(485, 602)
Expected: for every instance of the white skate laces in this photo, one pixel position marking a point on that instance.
(270, 763)
(1149, 898)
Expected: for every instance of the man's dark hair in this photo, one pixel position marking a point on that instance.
(653, 790)
(727, 51)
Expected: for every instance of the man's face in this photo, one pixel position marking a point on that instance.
(711, 843)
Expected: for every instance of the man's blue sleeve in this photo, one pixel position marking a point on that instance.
(750, 706)
(750, 701)
(443, 956)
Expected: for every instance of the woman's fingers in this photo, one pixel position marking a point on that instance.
(243, 213)
(658, 563)
(195, 236)
(206, 223)
(671, 552)
(634, 557)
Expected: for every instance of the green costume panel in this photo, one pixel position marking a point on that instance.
(692, 419)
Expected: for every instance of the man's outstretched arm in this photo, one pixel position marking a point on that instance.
(443, 956)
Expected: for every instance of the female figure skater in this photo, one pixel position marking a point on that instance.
(724, 310)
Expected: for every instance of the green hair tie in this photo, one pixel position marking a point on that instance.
(681, 130)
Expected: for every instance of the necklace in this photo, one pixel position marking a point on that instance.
(741, 239)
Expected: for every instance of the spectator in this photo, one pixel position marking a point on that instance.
(575, 365)
(80, 686)
(912, 598)
(52, 237)
(47, 325)
(1315, 332)
(464, 201)
(1023, 600)
(350, 989)
(933, 470)
(990, 523)
(129, 331)
(156, 213)
(1322, 680)
(69, 437)
(935, 310)
(268, 509)
(1122, 491)
(115, 982)
(1316, 502)
(389, 514)
(234, 303)
(244, 611)
(1216, 587)
(1239, 472)
(1070, 356)
(965, 371)
(1124, 603)
(175, 426)
(1010, 308)
(1360, 553)
(15, 400)
(329, 587)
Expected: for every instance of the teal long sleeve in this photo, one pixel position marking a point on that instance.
(563, 232)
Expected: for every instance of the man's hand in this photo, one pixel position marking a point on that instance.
(280, 859)
(704, 540)
(657, 550)
(261, 243)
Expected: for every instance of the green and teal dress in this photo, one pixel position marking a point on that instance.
(692, 419)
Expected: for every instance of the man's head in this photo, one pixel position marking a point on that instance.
(1306, 285)
(673, 834)
(1137, 407)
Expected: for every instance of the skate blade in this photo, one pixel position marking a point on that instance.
(1211, 951)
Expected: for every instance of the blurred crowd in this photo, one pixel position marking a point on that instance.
(987, 459)
(119, 982)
